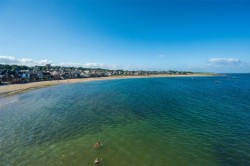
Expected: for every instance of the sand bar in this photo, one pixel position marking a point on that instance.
(20, 88)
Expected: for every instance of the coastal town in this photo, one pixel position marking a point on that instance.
(16, 74)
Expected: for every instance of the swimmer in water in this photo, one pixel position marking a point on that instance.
(97, 145)
(98, 160)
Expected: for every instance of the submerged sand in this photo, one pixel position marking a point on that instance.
(20, 88)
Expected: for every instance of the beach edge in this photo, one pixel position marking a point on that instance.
(12, 89)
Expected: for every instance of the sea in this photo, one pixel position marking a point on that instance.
(172, 121)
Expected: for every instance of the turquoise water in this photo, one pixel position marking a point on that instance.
(141, 122)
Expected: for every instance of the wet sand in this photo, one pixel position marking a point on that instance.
(20, 88)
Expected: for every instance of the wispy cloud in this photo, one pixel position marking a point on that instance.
(222, 65)
(224, 61)
(100, 65)
(162, 56)
(89, 65)
(22, 61)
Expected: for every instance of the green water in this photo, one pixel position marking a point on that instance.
(156, 121)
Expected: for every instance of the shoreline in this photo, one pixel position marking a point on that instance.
(6, 90)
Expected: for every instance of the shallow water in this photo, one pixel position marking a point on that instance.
(147, 121)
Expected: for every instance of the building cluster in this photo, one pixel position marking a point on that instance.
(12, 74)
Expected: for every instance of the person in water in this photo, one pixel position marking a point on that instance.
(97, 145)
(98, 160)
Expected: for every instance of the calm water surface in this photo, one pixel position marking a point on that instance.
(141, 122)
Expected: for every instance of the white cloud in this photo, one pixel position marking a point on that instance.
(8, 59)
(31, 62)
(222, 65)
(22, 61)
(45, 61)
(224, 61)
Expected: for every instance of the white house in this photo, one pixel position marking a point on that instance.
(84, 74)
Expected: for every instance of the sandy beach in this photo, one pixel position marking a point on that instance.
(20, 88)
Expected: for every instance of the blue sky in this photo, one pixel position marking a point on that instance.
(210, 36)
